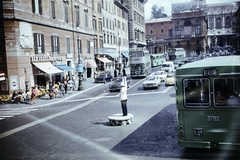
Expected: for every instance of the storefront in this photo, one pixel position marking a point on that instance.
(45, 71)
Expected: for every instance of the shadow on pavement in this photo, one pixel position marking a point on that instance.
(155, 138)
(158, 138)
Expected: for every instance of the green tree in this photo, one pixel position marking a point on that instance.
(157, 12)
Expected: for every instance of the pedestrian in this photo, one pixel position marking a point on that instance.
(65, 86)
(33, 95)
(62, 89)
(115, 73)
(124, 72)
(51, 94)
(123, 96)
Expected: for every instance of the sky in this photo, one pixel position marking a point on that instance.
(167, 5)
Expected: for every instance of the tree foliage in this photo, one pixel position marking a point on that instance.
(157, 12)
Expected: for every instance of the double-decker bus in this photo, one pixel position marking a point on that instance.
(176, 54)
(157, 59)
(140, 63)
(208, 104)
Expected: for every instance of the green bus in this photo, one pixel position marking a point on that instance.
(157, 59)
(208, 103)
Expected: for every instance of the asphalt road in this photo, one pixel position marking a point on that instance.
(77, 128)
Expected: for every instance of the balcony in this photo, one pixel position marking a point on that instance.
(122, 5)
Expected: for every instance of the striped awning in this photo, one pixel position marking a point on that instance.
(2, 76)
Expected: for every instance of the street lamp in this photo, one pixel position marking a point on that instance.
(80, 71)
(119, 54)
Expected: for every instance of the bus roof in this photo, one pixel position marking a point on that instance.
(223, 63)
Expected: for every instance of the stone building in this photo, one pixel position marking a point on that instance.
(58, 39)
(219, 17)
(44, 40)
(136, 24)
(236, 30)
(189, 27)
(115, 34)
(157, 31)
(196, 27)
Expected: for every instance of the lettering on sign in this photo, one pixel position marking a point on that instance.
(46, 59)
(213, 118)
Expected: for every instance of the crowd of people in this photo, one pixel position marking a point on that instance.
(51, 89)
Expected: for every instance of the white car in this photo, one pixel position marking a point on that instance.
(170, 79)
(151, 81)
(161, 75)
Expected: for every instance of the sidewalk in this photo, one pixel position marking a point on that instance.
(44, 101)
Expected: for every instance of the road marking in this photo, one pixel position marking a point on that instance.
(11, 112)
(34, 123)
(167, 89)
(117, 95)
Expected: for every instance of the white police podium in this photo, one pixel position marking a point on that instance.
(119, 119)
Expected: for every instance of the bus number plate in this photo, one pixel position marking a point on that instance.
(198, 132)
(213, 118)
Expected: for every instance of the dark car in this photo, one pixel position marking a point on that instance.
(116, 83)
(103, 77)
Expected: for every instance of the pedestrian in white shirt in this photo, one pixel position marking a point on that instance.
(123, 96)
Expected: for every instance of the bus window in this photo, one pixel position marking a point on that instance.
(137, 66)
(229, 88)
(196, 92)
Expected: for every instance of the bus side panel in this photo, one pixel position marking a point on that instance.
(209, 129)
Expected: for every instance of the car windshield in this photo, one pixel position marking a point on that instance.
(119, 80)
(166, 65)
(150, 78)
(170, 75)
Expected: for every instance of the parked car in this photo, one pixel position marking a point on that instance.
(116, 83)
(151, 81)
(170, 79)
(103, 77)
(161, 75)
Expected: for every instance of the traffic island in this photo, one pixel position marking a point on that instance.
(118, 119)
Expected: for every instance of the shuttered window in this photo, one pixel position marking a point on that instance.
(66, 13)
(39, 43)
(68, 45)
(79, 46)
(53, 9)
(37, 6)
(55, 45)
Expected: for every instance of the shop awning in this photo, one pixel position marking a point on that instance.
(47, 67)
(65, 67)
(90, 63)
(113, 54)
(125, 54)
(2, 76)
(104, 59)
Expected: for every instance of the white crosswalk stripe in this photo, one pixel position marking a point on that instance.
(167, 89)
(11, 112)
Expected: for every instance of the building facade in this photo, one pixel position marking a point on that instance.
(44, 40)
(157, 31)
(57, 39)
(196, 26)
(220, 24)
(136, 24)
